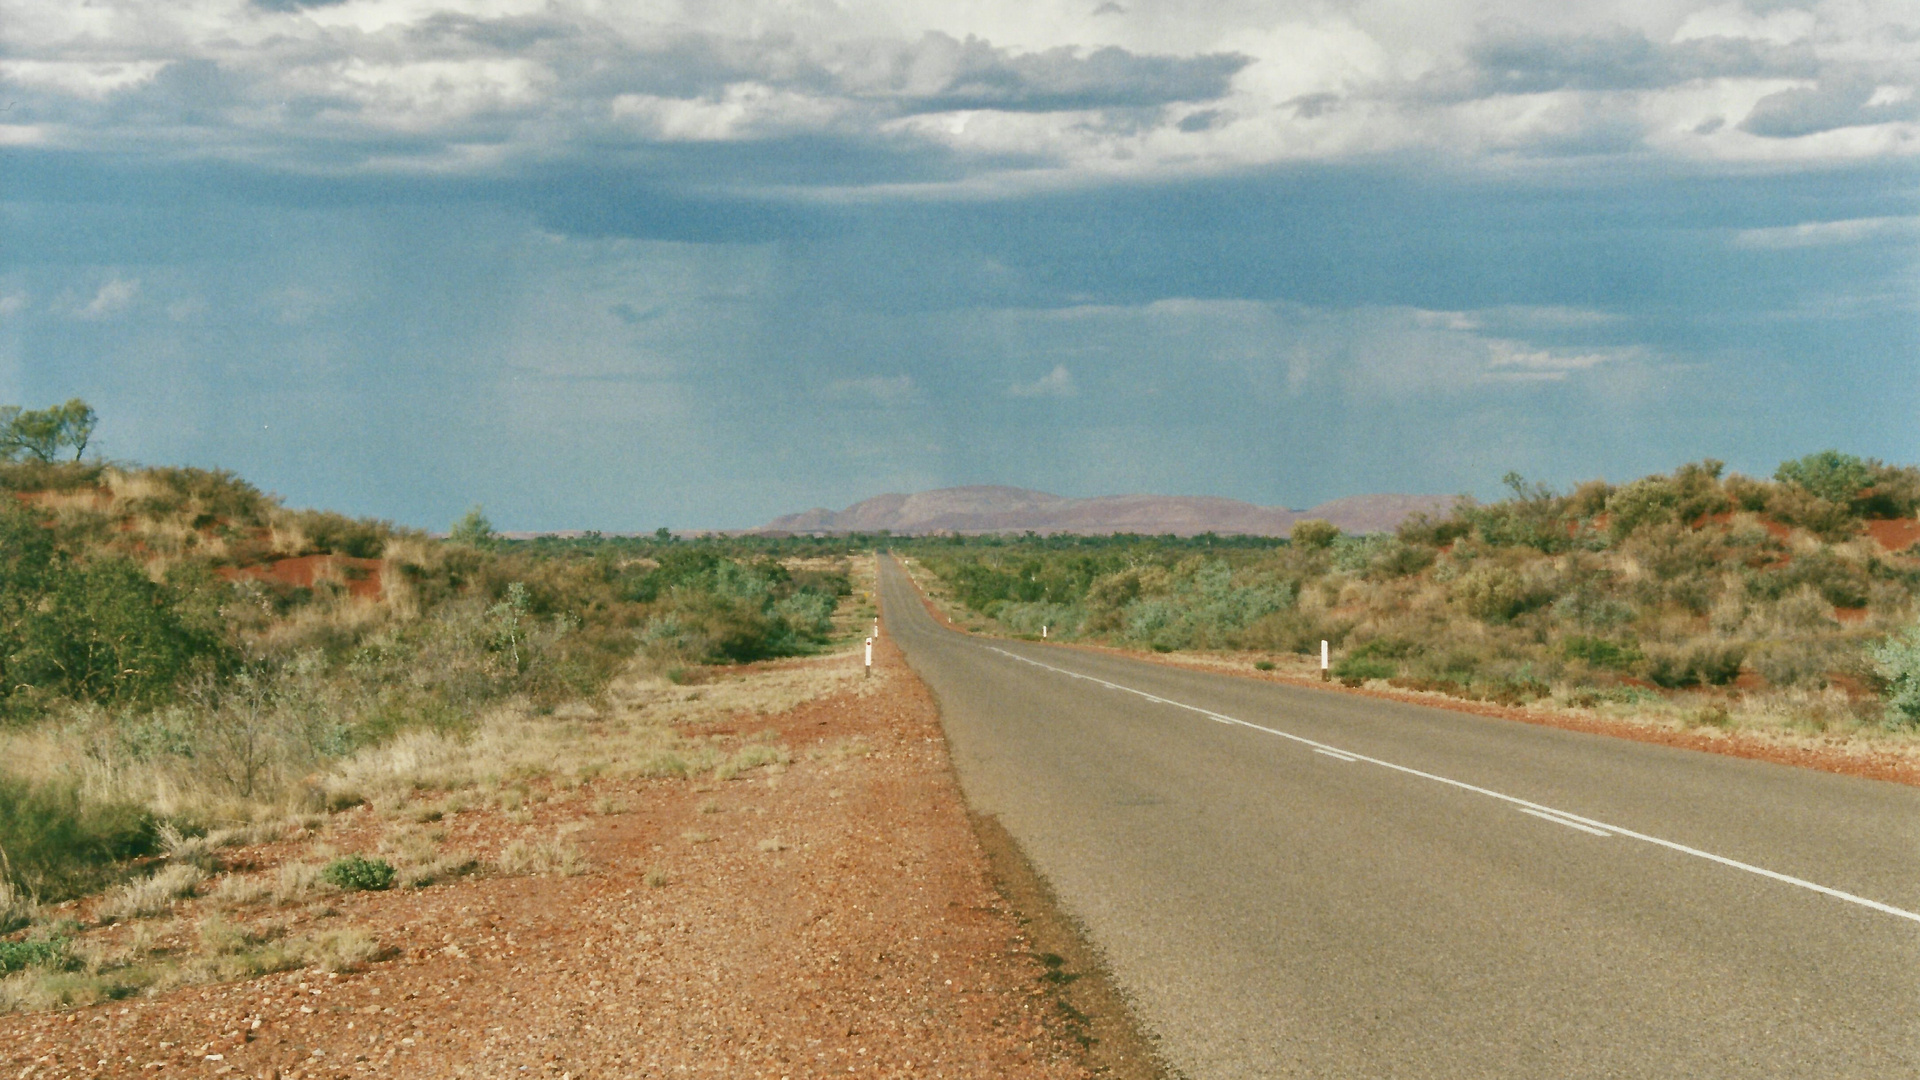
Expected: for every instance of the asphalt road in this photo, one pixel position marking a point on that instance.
(1411, 892)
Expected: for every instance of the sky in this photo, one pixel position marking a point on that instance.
(618, 266)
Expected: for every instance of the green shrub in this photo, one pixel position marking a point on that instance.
(1650, 500)
(59, 844)
(1387, 648)
(1424, 530)
(1354, 668)
(1831, 521)
(1401, 560)
(1496, 594)
(1829, 475)
(1897, 661)
(49, 953)
(1314, 534)
(1601, 652)
(1706, 663)
(357, 872)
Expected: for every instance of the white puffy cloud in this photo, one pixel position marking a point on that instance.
(114, 296)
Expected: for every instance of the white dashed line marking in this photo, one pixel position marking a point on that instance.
(1562, 817)
(1558, 820)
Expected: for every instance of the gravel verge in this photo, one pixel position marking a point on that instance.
(830, 914)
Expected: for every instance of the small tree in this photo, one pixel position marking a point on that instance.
(474, 529)
(1314, 534)
(44, 433)
(1829, 474)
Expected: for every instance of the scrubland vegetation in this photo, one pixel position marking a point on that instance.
(1697, 596)
(191, 669)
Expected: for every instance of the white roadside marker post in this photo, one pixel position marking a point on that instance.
(1324, 676)
(869, 670)
(1043, 631)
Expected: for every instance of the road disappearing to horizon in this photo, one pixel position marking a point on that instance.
(1294, 882)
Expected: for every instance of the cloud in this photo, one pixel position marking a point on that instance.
(1514, 360)
(1057, 383)
(113, 297)
(940, 73)
(1514, 60)
(1828, 233)
(1804, 110)
(12, 304)
(90, 80)
(761, 100)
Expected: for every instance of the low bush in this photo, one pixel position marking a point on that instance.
(1355, 668)
(51, 952)
(57, 843)
(1601, 652)
(1708, 663)
(359, 873)
(1897, 661)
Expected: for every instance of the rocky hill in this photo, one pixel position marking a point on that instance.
(990, 509)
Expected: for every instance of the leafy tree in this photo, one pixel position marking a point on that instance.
(473, 530)
(104, 631)
(26, 565)
(44, 433)
(1314, 534)
(1829, 474)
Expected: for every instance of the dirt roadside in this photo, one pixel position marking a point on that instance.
(834, 916)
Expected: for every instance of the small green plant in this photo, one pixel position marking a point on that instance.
(45, 953)
(359, 873)
(1356, 668)
(1601, 652)
(1897, 660)
(1263, 665)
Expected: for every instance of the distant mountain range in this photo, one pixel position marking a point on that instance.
(988, 509)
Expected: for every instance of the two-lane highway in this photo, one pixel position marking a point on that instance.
(1291, 882)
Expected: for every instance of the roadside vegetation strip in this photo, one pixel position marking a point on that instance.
(1564, 817)
(830, 910)
(203, 688)
(1696, 600)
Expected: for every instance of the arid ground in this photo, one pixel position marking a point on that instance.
(832, 914)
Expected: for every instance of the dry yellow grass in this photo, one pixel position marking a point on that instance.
(516, 759)
(150, 896)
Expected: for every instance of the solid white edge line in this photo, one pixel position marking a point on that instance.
(1786, 879)
(1335, 754)
(1558, 820)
